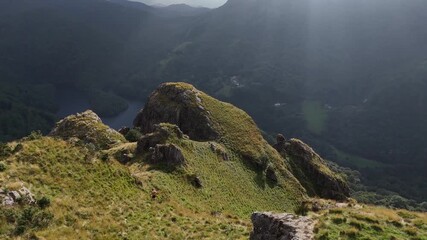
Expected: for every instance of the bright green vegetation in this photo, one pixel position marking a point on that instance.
(234, 186)
(356, 161)
(239, 131)
(94, 199)
(371, 223)
(315, 116)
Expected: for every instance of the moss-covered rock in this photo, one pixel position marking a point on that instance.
(311, 170)
(180, 104)
(87, 127)
(161, 133)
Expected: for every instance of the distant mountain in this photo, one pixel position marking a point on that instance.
(185, 10)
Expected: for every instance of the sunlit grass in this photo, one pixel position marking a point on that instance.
(371, 222)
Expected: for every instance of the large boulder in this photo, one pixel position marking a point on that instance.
(161, 133)
(312, 171)
(87, 127)
(270, 226)
(168, 154)
(157, 147)
(179, 104)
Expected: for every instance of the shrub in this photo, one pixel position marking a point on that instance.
(34, 135)
(377, 228)
(338, 220)
(133, 135)
(5, 150)
(411, 231)
(357, 224)
(32, 218)
(43, 202)
(2, 167)
(302, 209)
(396, 223)
(350, 233)
(18, 148)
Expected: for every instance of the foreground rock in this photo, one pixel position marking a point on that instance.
(311, 170)
(270, 226)
(87, 127)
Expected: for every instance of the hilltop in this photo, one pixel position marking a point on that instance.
(199, 169)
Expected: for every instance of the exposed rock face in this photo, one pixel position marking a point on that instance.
(88, 127)
(168, 154)
(10, 198)
(311, 170)
(177, 103)
(160, 134)
(155, 144)
(269, 226)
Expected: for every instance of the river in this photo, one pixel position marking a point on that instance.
(72, 101)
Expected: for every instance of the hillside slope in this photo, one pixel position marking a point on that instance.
(85, 180)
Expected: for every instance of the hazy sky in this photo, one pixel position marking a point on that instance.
(196, 3)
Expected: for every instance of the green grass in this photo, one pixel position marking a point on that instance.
(93, 199)
(230, 187)
(356, 161)
(370, 223)
(237, 131)
(315, 116)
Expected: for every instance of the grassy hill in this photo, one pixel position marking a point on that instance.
(91, 193)
(88, 182)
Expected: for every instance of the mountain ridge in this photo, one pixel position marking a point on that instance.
(86, 161)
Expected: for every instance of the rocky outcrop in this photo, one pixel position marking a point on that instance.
(179, 104)
(156, 145)
(311, 170)
(270, 226)
(87, 127)
(22, 195)
(168, 154)
(161, 133)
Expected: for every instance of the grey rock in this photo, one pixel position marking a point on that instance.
(15, 195)
(162, 132)
(169, 154)
(8, 201)
(197, 182)
(270, 226)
